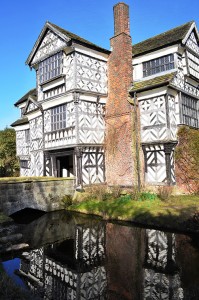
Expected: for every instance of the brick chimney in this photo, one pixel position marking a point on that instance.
(118, 141)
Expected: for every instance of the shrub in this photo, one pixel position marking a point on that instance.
(164, 192)
(66, 201)
(147, 196)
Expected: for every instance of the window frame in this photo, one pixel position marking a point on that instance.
(58, 117)
(50, 68)
(24, 164)
(189, 111)
(158, 65)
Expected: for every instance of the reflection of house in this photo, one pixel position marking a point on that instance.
(161, 279)
(72, 269)
(62, 124)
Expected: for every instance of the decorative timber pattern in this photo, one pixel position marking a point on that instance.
(155, 164)
(172, 115)
(192, 43)
(160, 267)
(22, 144)
(50, 44)
(36, 134)
(90, 122)
(193, 64)
(36, 163)
(69, 70)
(36, 146)
(91, 74)
(153, 119)
(31, 106)
(179, 77)
(93, 170)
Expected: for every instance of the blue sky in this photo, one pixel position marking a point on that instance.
(21, 22)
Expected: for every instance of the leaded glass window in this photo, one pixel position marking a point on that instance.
(50, 67)
(58, 117)
(158, 65)
(190, 111)
(27, 135)
(24, 164)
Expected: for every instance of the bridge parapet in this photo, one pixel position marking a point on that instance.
(42, 194)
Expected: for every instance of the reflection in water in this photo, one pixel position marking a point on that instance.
(161, 280)
(72, 269)
(91, 259)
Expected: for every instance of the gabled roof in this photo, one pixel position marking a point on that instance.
(32, 93)
(167, 38)
(155, 82)
(21, 121)
(36, 105)
(66, 36)
(79, 39)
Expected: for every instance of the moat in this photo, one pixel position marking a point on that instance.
(61, 255)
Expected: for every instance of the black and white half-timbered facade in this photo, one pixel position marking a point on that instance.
(166, 86)
(62, 124)
(61, 129)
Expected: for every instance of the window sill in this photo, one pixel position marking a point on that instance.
(56, 81)
(52, 79)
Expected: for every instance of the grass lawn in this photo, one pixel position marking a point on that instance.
(172, 213)
(30, 179)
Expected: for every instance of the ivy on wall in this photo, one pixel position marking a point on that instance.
(187, 159)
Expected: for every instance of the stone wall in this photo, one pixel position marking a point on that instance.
(43, 195)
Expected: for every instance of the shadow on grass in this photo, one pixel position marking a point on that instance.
(152, 213)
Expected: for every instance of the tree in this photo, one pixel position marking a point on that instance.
(9, 165)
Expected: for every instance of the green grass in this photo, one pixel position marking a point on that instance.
(30, 179)
(150, 211)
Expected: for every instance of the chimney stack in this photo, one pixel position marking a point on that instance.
(121, 18)
(118, 141)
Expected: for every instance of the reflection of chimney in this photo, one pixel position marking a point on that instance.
(118, 109)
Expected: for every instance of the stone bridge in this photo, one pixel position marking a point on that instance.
(42, 194)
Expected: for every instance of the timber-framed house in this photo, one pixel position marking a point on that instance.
(61, 129)
(78, 100)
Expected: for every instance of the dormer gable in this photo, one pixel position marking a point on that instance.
(191, 40)
(50, 41)
(53, 39)
(31, 105)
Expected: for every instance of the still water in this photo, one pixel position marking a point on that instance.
(70, 256)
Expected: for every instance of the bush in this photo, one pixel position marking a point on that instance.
(164, 192)
(66, 201)
(147, 196)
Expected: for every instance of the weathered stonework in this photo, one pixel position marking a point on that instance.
(41, 195)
